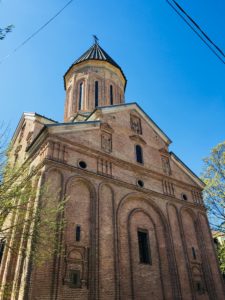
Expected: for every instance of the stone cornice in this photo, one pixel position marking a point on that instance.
(137, 139)
(116, 161)
(119, 182)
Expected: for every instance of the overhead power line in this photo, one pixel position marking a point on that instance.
(197, 29)
(37, 31)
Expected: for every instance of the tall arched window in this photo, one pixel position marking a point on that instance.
(139, 154)
(96, 93)
(111, 94)
(80, 106)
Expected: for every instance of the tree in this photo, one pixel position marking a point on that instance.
(214, 192)
(31, 213)
(214, 195)
(5, 31)
(221, 256)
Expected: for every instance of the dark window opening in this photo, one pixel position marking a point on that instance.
(140, 183)
(184, 197)
(78, 233)
(74, 278)
(2, 247)
(193, 253)
(111, 94)
(199, 287)
(143, 243)
(82, 164)
(96, 93)
(139, 154)
(80, 96)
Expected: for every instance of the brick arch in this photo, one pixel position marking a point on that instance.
(189, 211)
(56, 170)
(193, 238)
(106, 242)
(211, 270)
(89, 225)
(73, 179)
(159, 263)
(184, 272)
(138, 202)
(73, 252)
(52, 180)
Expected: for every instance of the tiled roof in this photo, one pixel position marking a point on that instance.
(95, 52)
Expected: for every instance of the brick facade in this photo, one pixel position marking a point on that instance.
(111, 198)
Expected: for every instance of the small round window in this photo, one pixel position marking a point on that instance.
(184, 197)
(140, 183)
(82, 164)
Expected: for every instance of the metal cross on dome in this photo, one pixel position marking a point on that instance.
(95, 39)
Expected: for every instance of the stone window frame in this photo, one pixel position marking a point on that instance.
(96, 93)
(72, 284)
(142, 154)
(148, 259)
(78, 233)
(81, 96)
(76, 94)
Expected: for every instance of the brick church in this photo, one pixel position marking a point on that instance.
(136, 226)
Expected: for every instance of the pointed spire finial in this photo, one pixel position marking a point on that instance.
(95, 39)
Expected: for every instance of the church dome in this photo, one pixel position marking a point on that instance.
(95, 52)
(93, 80)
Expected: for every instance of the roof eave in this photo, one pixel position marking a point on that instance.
(187, 170)
(76, 64)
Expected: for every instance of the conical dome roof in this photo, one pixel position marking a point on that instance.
(95, 52)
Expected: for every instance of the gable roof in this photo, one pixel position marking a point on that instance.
(30, 115)
(134, 105)
(187, 170)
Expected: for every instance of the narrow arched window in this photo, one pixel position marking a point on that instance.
(80, 106)
(96, 93)
(139, 154)
(111, 94)
(2, 247)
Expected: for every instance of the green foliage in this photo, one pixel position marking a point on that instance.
(214, 192)
(30, 210)
(5, 31)
(221, 257)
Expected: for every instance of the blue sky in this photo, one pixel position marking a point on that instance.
(171, 74)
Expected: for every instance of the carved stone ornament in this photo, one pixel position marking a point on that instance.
(106, 142)
(106, 127)
(137, 139)
(166, 165)
(164, 151)
(135, 124)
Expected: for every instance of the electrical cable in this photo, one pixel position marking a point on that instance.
(199, 28)
(196, 32)
(37, 31)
